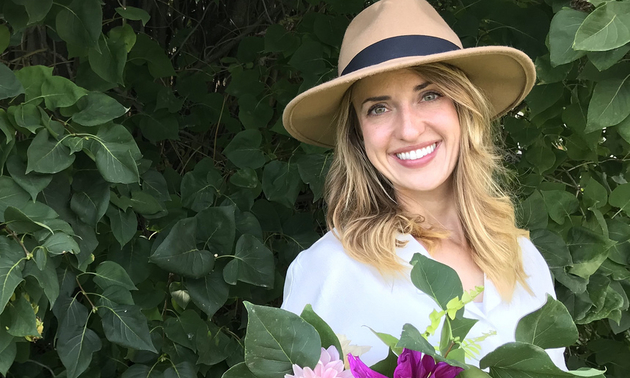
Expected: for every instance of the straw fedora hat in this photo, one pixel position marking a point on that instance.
(395, 34)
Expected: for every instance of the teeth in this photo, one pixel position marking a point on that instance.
(417, 154)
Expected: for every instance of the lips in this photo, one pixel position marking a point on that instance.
(417, 154)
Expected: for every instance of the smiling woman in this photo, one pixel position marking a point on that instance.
(415, 171)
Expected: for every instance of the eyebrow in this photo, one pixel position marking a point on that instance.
(385, 98)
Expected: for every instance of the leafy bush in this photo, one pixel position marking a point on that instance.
(148, 187)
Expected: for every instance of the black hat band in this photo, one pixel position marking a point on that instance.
(401, 46)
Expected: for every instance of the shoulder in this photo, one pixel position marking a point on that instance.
(532, 259)
(536, 269)
(327, 252)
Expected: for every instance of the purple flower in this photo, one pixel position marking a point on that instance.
(411, 364)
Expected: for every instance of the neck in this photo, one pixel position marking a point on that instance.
(438, 207)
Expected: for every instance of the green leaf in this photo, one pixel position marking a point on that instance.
(32, 78)
(619, 231)
(313, 170)
(48, 155)
(96, 109)
(245, 82)
(134, 14)
(543, 97)
(23, 322)
(560, 204)
(126, 326)
(540, 156)
(7, 356)
(605, 28)
(10, 86)
(209, 292)
(142, 371)
(159, 126)
(59, 92)
(60, 243)
(309, 58)
(124, 224)
(245, 178)
(108, 59)
(113, 295)
(5, 339)
(75, 341)
(281, 182)
(124, 34)
(33, 183)
(279, 39)
(620, 197)
(153, 54)
(435, 279)
(6, 127)
(253, 263)
(11, 194)
(91, 197)
(5, 38)
(154, 183)
(244, 150)
(588, 249)
(145, 204)
(326, 334)
(461, 326)
(183, 328)
(276, 339)
(183, 369)
(134, 258)
(608, 106)
(47, 278)
(178, 253)
(80, 23)
(603, 60)
(523, 360)
(548, 327)
(239, 370)
(473, 372)
(562, 31)
(200, 186)
(595, 195)
(29, 218)
(27, 116)
(36, 9)
(218, 231)
(552, 247)
(116, 155)
(411, 338)
(254, 113)
(109, 273)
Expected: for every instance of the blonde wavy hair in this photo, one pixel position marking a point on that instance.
(364, 211)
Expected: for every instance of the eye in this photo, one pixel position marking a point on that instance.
(376, 109)
(431, 96)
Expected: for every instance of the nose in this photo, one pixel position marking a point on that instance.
(410, 124)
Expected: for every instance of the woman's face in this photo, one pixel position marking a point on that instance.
(410, 130)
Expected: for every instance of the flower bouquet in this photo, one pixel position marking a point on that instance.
(280, 344)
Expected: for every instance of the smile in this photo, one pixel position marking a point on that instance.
(417, 154)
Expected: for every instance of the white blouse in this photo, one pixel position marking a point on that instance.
(351, 296)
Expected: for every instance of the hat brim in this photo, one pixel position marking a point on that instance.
(504, 74)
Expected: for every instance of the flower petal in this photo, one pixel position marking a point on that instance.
(444, 370)
(360, 370)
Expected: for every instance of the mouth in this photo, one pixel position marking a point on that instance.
(417, 154)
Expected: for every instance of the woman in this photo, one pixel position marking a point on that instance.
(415, 171)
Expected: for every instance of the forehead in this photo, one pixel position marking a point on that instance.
(384, 84)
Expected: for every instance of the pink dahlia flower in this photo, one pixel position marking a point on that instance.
(328, 366)
(411, 364)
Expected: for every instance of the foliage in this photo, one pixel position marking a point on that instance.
(148, 188)
(277, 339)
